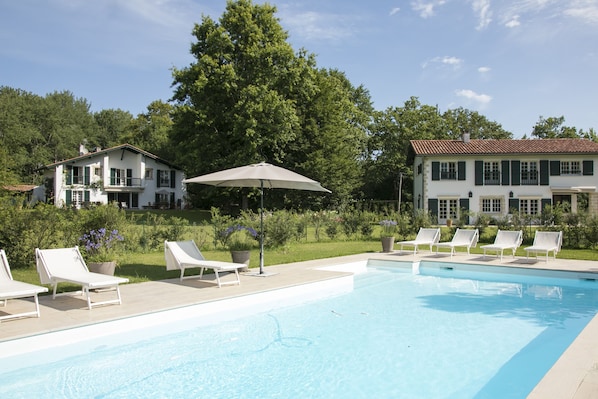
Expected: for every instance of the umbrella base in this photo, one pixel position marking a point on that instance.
(258, 274)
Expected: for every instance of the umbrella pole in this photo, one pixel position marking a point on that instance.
(262, 227)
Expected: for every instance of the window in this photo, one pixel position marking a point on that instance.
(149, 174)
(448, 170)
(118, 177)
(491, 173)
(77, 198)
(529, 173)
(78, 175)
(97, 172)
(447, 209)
(163, 178)
(529, 206)
(570, 168)
(491, 205)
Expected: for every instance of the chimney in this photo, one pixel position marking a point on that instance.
(465, 137)
(82, 149)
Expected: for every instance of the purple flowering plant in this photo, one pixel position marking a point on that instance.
(240, 238)
(99, 245)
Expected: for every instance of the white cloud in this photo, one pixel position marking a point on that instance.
(484, 70)
(482, 9)
(426, 8)
(394, 11)
(586, 10)
(316, 25)
(446, 60)
(513, 22)
(482, 99)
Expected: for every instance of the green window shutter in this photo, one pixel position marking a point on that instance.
(129, 177)
(86, 195)
(433, 207)
(69, 175)
(513, 204)
(555, 168)
(464, 204)
(588, 168)
(506, 178)
(479, 173)
(461, 170)
(435, 170)
(159, 176)
(112, 176)
(515, 173)
(173, 179)
(86, 176)
(545, 202)
(69, 197)
(544, 173)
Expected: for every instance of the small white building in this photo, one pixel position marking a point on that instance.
(492, 177)
(126, 175)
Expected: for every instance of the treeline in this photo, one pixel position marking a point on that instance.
(250, 97)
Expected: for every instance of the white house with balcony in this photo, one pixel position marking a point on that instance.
(493, 177)
(126, 175)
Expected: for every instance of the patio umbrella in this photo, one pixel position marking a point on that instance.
(259, 175)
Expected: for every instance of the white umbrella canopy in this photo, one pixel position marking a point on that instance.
(259, 175)
(256, 175)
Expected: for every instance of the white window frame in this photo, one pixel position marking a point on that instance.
(491, 169)
(149, 174)
(77, 198)
(530, 206)
(448, 208)
(570, 168)
(448, 170)
(491, 205)
(529, 173)
(164, 178)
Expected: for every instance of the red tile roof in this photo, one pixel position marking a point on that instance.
(532, 146)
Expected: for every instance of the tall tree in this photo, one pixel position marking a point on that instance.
(114, 126)
(151, 129)
(461, 120)
(553, 128)
(249, 97)
(387, 164)
(235, 102)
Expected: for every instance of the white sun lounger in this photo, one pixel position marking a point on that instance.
(11, 289)
(66, 265)
(504, 240)
(424, 237)
(181, 255)
(546, 242)
(462, 238)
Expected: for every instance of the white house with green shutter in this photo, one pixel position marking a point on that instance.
(493, 177)
(126, 175)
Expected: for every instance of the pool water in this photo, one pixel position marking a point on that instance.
(397, 335)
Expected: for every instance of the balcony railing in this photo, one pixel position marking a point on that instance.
(492, 179)
(448, 175)
(124, 182)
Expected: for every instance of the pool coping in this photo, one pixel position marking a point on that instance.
(573, 376)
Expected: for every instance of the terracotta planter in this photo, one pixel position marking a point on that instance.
(388, 244)
(241, 257)
(102, 267)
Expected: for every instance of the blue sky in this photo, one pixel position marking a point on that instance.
(511, 60)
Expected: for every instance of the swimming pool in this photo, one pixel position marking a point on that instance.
(449, 331)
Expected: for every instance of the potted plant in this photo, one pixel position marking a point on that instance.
(240, 240)
(387, 235)
(99, 250)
